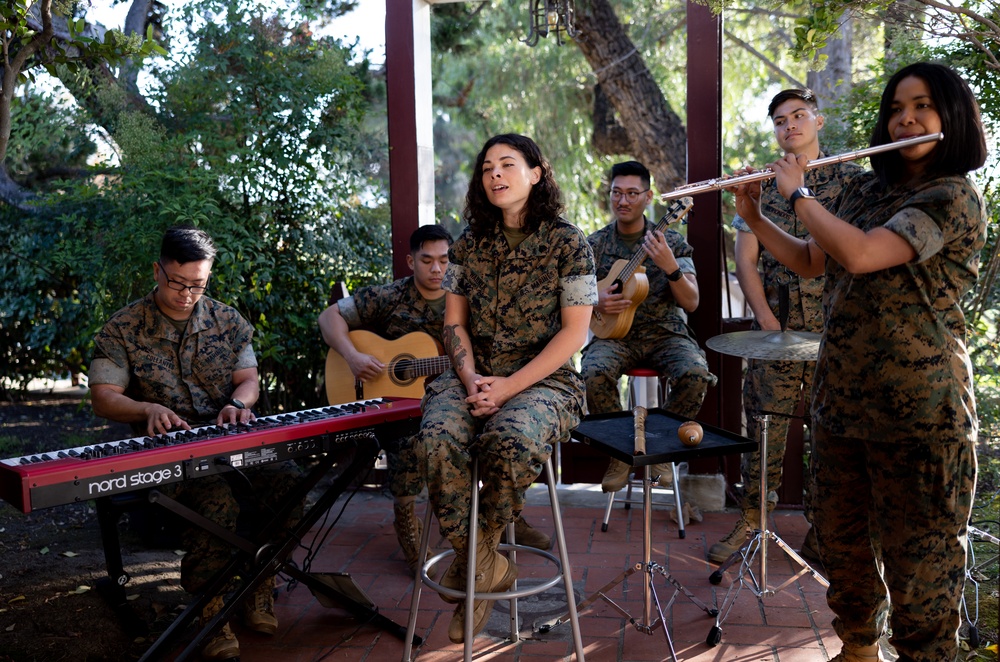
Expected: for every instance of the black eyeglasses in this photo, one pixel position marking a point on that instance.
(178, 286)
(631, 196)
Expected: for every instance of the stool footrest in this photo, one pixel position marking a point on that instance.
(501, 595)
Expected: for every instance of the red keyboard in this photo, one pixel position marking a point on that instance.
(87, 472)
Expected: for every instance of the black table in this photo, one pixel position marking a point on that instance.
(614, 434)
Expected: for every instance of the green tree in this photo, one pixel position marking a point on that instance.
(255, 133)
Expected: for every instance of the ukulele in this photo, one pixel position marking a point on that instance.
(408, 361)
(630, 276)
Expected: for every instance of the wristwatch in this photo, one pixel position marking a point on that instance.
(236, 403)
(801, 192)
(675, 276)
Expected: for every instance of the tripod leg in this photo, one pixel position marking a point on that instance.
(663, 621)
(716, 577)
(805, 567)
(591, 599)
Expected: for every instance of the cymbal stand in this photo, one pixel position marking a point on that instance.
(756, 548)
(648, 624)
(973, 573)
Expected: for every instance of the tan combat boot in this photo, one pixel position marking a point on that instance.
(409, 528)
(722, 550)
(223, 646)
(525, 534)
(859, 654)
(258, 611)
(616, 476)
(454, 576)
(494, 573)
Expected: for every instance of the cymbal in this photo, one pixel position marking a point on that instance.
(768, 345)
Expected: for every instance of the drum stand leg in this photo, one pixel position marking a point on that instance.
(650, 600)
(756, 548)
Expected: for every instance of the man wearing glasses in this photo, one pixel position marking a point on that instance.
(659, 337)
(177, 359)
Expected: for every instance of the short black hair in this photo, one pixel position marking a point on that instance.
(186, 243)
(963, 148)
(802, 94)
(629, 168)
(426, 233)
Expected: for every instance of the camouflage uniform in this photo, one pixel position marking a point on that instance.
(895, 421)
(774, 387)
(515, 299)
(393, 311)
(659, 337)
(141, 351)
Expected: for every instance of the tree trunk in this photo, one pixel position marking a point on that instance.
(655, 133)
(834, 82)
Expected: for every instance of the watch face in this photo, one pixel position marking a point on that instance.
(236, 403)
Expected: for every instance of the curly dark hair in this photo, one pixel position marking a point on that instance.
(963, 148)
(544, 201)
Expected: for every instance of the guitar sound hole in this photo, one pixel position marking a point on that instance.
(400, 371)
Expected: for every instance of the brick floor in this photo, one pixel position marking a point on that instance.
(788, 626)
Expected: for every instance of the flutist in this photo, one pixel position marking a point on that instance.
(894, 417)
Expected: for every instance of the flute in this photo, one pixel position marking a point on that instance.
(730, 182)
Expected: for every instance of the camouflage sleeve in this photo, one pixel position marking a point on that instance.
(349, 311)
(452, 281)
(371, 306)
(106, 371)
(577, 279)
(740, 225)
(938, 215)
(454, 275)
(243, 344)
(597, 248)
(683, 252)
(110, 364)
(246, 359)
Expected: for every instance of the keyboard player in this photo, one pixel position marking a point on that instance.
(176, 359)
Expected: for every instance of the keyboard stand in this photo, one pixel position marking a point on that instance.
(352, 455)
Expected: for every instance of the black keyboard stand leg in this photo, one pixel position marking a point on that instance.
(268, 558)
(112, 587)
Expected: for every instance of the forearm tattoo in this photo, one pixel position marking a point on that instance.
(453, 345)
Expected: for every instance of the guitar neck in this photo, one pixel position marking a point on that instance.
(434, 365)
(675, 212)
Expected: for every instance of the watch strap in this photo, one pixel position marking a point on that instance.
(237, 403)
(801, 192)
(675, 276)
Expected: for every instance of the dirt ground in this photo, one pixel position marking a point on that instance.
(51, 560)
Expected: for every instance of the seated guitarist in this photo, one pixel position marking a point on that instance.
(659, 337)
(411, 304)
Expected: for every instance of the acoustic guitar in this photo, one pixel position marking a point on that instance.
(630, 276)
(408, 360)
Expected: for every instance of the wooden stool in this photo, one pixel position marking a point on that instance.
(640, 393)
(561, 564)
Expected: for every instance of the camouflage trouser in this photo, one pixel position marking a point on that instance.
(403, 468)
(512, 446)
(212, 497)
(773, 387)
(677, 357)
(891, 519)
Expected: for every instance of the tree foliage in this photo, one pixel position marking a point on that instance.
(255, 137)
